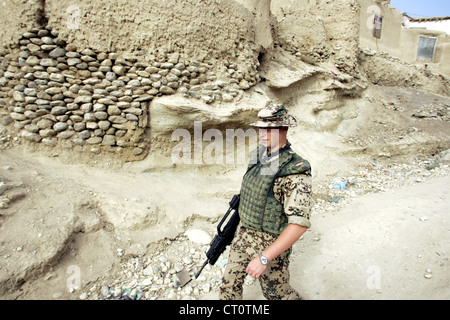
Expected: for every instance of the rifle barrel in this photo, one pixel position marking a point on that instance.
(201, 269)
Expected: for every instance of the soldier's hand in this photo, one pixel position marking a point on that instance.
(255, 268)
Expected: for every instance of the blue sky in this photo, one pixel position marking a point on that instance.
(423, 8)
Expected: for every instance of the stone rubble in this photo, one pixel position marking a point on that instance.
(439, 111)
(380, 176)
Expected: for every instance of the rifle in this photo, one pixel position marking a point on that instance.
(224, 236)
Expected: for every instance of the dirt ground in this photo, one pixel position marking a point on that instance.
(64, 220)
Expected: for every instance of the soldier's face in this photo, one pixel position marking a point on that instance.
(266, 135)
(272, 138)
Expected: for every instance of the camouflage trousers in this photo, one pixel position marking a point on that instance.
(248, 244)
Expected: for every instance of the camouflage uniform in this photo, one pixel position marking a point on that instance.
(274, 282)
(287, 200)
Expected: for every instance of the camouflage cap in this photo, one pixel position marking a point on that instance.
(273, 116)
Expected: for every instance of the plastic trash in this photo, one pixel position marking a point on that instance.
(340, 185)
(222, 262)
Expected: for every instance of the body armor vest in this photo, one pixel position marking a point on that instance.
(258, 207)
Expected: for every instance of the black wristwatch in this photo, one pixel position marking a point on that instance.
(263, 259)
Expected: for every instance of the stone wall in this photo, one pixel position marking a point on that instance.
(82, 75)
(57, 94)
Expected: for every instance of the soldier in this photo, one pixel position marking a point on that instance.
(274, 210)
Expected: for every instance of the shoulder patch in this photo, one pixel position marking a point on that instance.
(297, 165)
